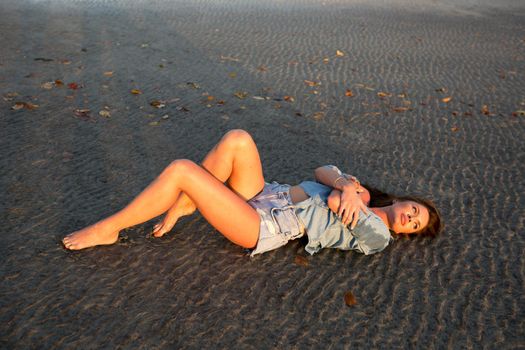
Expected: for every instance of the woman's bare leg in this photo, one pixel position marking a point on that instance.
(234, 159)
(222, 208)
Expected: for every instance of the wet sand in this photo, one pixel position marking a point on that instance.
(60, 171)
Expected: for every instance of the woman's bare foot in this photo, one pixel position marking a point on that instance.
(183, 207)
(90, 236)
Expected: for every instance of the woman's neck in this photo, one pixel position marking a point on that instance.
(384, 214)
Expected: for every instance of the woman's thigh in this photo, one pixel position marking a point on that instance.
(221, 207)
(246, 175)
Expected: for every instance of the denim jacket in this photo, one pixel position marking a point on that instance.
(326, 230)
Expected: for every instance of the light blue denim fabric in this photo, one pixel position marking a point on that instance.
(279, 223)
(325, 229)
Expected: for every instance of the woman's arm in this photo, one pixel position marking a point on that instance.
(330, 175)
(350, 201)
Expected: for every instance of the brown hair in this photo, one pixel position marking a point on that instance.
(379, 198)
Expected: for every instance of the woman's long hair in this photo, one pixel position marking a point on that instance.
(379, 198)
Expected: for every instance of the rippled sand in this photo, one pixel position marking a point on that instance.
(193, 289)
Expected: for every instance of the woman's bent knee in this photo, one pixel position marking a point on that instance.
(238, 138)
(180, 166)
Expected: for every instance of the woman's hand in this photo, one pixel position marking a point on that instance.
(349, 204)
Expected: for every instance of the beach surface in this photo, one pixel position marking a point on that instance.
(419, 97)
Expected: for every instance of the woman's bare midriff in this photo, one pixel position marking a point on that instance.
(297, 194)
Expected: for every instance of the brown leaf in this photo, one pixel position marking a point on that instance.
(311, 83)
(104, 113)
(30, 106)
(10, 96)
(42, 59)
(136, 91)
(157, 104)
(82, 112)
(350, 299)
(400, 109)
(289, 99)
(108, 74)
(65, 61)
(221, 102)
(18, 105)
(240, 94)
(446, 99)
(339, 53)
(454, 128)
(210, 98)
(48, 85)
(383, 94)
(26, 105)
(349, 93)
(262, 68)
(318, 115)
(59, 82)
(326, 60)
(301, 261)
(193, 85)
(485, 110)
(228, 58)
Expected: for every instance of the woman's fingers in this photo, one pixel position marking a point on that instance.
(355, 218)
(350, 215)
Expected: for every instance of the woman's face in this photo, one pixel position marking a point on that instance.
(408, 217)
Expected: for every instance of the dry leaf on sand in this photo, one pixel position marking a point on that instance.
(240, 94)
(26, 105)
(311, 83)
(350, 299)
(301, 261)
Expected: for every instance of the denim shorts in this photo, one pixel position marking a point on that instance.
(279, 223)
